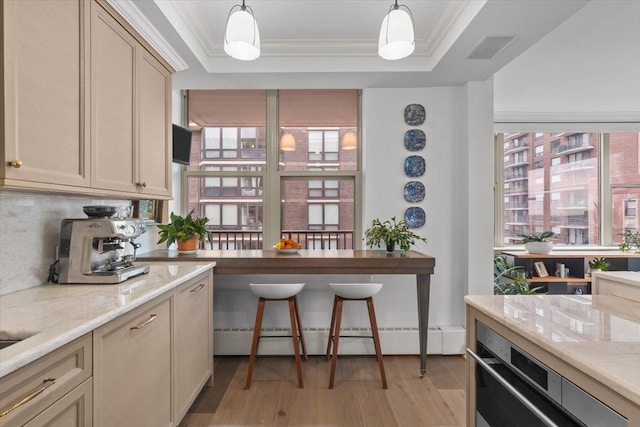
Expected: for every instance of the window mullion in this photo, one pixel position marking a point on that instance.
(271, 209)
(498, 189)
(606, 194)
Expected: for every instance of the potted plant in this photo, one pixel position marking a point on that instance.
(509, 279)
(631, 241)
(598, 264)
(392, 233)
(186, 231)
(537, 243)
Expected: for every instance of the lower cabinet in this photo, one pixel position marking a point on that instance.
(74, 409)
(193, 350)
(132, 369)
(148, 366)
(54, 390)
(151, 363)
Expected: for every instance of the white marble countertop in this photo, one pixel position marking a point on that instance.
(599, 334)
(628, 277)
(54, 315)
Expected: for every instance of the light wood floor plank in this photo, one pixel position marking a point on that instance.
(357, 399)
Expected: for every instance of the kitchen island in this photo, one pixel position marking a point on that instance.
(591, 340)
(322, 262)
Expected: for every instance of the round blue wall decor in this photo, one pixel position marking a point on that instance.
(414, 166)
(415, 217)
(414, 191)
(414, 114)
(414, 140)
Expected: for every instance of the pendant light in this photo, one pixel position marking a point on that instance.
(396, 34)
(288, 142)
(241, 36)
(349, 141)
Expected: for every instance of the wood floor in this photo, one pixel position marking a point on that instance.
(438, 399)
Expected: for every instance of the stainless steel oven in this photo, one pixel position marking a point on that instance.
(515, 389)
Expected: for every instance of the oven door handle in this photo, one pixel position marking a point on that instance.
(537, 412)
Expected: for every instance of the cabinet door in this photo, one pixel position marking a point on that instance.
(44, 97)
(154, 119)
(74, 409)
(113, 57)
(132, 369)
(194, 341)
(36, 386)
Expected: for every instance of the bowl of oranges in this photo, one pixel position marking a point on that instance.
(287, 246)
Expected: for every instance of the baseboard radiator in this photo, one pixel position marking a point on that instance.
(442, 340)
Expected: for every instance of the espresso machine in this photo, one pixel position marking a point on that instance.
(98, 250)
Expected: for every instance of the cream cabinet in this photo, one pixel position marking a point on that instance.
(132, 367)
(86, 103)
(54, 390)
(45, 66)
(129, 111)
(193, 350)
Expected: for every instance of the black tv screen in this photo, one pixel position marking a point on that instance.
(181, 145)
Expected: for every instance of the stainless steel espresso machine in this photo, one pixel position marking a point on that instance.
(99, 249)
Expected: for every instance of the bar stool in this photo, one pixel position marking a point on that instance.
(353, 292)
(278, 292)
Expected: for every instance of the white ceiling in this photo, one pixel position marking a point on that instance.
(333, 43)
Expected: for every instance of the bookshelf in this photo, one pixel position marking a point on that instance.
(578, 264)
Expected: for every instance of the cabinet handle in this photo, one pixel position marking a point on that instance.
(142, 184)
(15, 163)
(200, 286)
(145, 323)
(48, 382)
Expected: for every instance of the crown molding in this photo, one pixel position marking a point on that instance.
(568, 117)
(444, 23)
(130, 12)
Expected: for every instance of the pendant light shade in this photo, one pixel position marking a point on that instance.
(288, 142)
(241, 37)
(397, 39)
(349, 141)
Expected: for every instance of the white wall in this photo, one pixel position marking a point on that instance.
(585, 70)
(458, 183)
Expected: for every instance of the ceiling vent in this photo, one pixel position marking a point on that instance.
(489, 47)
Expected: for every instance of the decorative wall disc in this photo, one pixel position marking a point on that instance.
(414, 114)
(414, 191)
(415, 217)
(414, 166)
(414, 140)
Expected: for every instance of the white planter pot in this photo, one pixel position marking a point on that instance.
(538, 247)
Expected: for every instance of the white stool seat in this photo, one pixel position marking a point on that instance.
(355, 290)
(276, 290)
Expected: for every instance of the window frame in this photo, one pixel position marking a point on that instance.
(606, 188)
(272, 176)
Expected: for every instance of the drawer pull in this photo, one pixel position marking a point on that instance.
(15, 163)
(48, 382)
(145, 323)
(200, 286)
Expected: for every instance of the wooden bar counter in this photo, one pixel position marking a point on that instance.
(323, 262)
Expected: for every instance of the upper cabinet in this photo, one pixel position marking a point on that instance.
(44, 95)
(129, 86)
(86, 102)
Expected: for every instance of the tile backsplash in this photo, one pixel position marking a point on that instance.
(30, 233)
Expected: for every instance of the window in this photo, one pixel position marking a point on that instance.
(563, 190)
(312, 175)
(539, 150)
